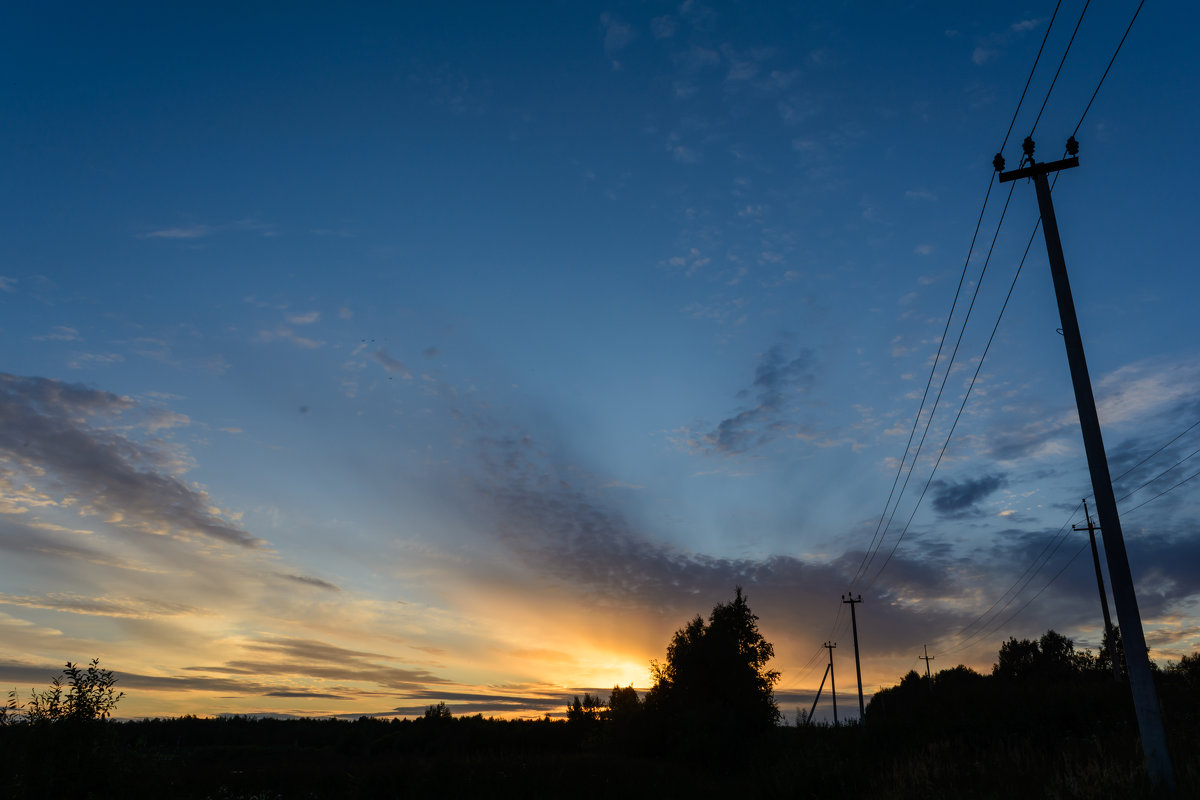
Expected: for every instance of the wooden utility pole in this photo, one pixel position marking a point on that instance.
(832, 684)
(846, 598)
(927, 658)
(1108, 630)
(1141, 680)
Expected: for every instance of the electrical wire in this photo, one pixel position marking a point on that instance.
(1156, 452)
(872, 548)
(1159, 475)
(1032, 70)
(1060, 66)
(1160, 494)
(946, 377)
(1106, 69)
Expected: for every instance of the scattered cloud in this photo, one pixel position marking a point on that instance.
(956, 498)
(288, 335)
(617, 36)
(179, 232)
(60, 333)
(88, 360)
(203, 231)
(390, 364)
(982, 55)
(306, 318)
(779, 379)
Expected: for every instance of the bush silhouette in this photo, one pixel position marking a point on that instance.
(78, 695)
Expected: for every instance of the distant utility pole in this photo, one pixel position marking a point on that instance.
(1108, 631)
(927, 658)
(1141, 680)
(846, 598)
(832, 684)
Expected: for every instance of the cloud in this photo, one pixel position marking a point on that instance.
(617, 36)
(982, 55)
(577, 535)
(201, 231)
(684, 155)
(86, 360)
(59, 333)
(779, 379)
(186, 232)
(7, 284)
(306, 318)
(923, 249)
(309, 580)
(59, 436)
(663, 27)
(126, 607)
(316, 659)
(288, 335)
(390, 364)
(959, 497)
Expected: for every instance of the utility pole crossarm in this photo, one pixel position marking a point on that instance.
(1039, 169)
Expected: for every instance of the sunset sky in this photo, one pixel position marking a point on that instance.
(363, 356)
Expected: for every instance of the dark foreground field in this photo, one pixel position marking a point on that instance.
(474, 757)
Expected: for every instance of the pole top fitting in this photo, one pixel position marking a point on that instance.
(998, 163)
(1027, 146)
(1072, 147)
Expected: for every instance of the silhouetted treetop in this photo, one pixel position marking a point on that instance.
(715, 675)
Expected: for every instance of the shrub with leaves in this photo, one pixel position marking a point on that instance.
(79, 695)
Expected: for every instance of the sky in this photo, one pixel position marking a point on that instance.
(359, 357)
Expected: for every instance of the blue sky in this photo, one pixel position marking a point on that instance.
(358, 358)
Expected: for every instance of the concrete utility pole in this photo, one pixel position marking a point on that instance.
(1108, 631)
(927, 658)
(832, 684)
(846, 598)
(1141, 680)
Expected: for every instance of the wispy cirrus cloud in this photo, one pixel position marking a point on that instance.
(202, 231)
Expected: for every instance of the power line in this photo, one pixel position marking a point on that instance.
(872, 548)
(1106, 69)
(1028, 570)
(1156, 452)
(1160, 494)
(1030, 78)
(946, 377)
(1060, 66)
(1161, 474)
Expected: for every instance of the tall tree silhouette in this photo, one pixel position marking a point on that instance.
(715, 677)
